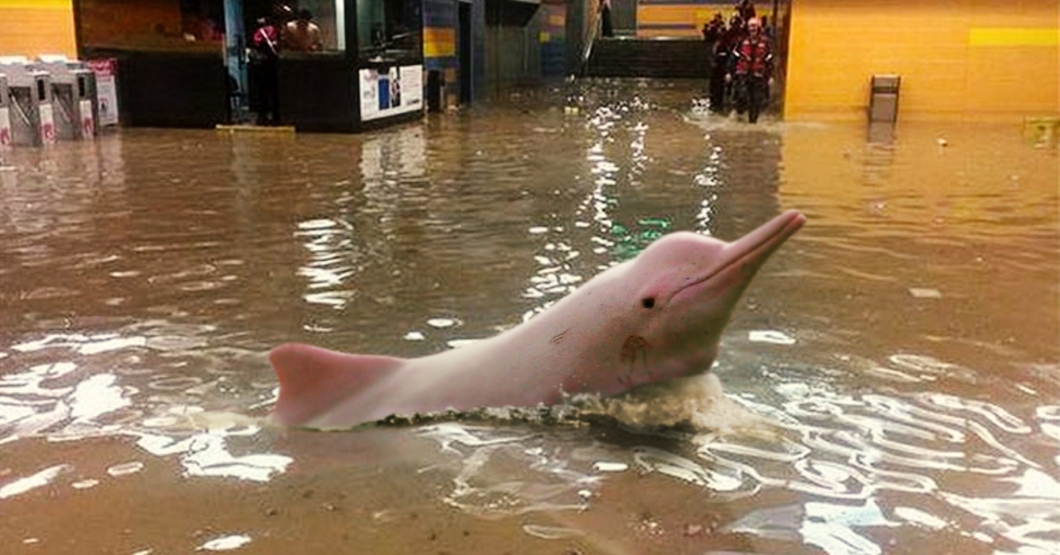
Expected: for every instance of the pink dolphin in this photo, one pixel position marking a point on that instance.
(655, 317)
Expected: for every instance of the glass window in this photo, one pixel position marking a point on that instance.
(199, 25)
(312, 25)
(389, 30)
(165, 25)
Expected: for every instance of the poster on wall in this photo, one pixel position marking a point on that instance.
(106, 90)
(390, 91)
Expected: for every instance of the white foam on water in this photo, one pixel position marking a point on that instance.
(698, 401)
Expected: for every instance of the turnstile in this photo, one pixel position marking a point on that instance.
(74, 97)
(5, 114)
(30, 104)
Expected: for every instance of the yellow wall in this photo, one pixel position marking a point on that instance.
(32, 27)
(990, 59)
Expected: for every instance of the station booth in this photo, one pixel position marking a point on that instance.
(191, 63)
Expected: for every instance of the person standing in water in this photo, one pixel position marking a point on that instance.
(752, 66)
(263, 67)
(302, 35)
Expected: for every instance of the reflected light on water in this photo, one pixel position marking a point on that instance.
(65, 401)
(82, 344)
(225, 543)
(95, 396)
(828, 526)
(329, 243)
(208, 454)
(497, 474)
(917, 402)
(19, 486)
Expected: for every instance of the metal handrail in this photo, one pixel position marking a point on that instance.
(590, 38)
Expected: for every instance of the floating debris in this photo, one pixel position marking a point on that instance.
(441, 323)
(85, 484)
(921, 293)
(125, 468)
(604, 466)
(225, 543)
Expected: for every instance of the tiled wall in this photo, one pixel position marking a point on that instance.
(439, 35)
(958, 59)
(552, 20)
(441, 41)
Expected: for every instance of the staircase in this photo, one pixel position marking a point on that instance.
(633, 57)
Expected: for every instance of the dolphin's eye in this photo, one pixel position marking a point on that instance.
(648, 302)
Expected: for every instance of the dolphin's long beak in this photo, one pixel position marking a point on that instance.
(756, 247)
(741, 259)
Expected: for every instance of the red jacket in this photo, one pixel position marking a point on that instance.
(754, 56)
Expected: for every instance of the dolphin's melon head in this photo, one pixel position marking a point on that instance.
(691, 283)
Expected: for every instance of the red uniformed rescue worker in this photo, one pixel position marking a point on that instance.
(752, 67)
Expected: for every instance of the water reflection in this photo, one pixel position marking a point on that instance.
(852, 456)
(330, 247)
(209, 454)
(500, 475)
(69, 400)
(225, 543)
(22, 485)
(902, 396)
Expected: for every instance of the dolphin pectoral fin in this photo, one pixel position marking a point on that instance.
(315, 381)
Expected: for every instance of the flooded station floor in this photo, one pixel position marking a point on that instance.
(902, 348)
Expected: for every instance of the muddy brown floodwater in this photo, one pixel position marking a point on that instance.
(903, 347)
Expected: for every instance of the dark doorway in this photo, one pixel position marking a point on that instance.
(624, 14)
(254, 9)
(465, 70)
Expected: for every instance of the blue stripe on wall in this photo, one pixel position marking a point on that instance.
(443, 63)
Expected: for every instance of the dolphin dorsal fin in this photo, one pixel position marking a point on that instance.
(315, 380)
